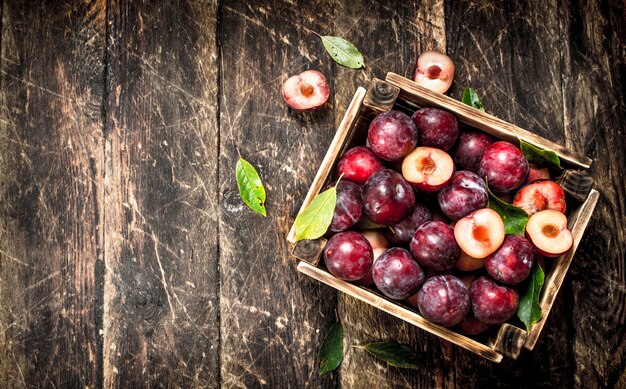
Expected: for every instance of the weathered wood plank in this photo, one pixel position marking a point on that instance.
(51, 167)
(161, 314)
(272, 319)
(594, 116)
(390, 35)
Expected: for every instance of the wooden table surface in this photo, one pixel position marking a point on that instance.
(127, 258)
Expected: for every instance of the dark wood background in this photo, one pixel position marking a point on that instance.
(127, 258)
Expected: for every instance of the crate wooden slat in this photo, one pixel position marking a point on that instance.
(577, 221)
(508, 340)
(398, 311)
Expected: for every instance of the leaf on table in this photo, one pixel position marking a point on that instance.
(528, 309)
(470, 97)
(514, 218)
(539, 156)
(314, 220)
(395, 354)
(250, 186)
(342, 51)
(331, 350)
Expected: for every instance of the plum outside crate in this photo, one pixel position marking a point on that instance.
(403, 94)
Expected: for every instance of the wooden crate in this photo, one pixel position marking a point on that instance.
(403, 94)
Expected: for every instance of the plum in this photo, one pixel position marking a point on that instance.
(512, 262)
(539, 195)
(349, 206)
(480, 233)
(470, 147)
(396, 274)
(403, 232)
(547, 230)
(358, 164)
(437, 128)
(427, 168)
(504, 167)
(388, 198)
(306, 91)
(348, 255)
(471, 326)
(434, 246)
(444, 300)
(465, 193)
(392, 135)
(434, 70)
(492, 303)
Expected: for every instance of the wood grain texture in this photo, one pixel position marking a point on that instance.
(272, 319)
(127, 258)
(161, 314)
(594, 82)
(51, 75)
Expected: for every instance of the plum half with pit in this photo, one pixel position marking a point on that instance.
(434, 70)
(504, 167)
(465, 193)
(444, 300)
(539, 195)
(348, 256)
(428, 168)
(403, 232)
(512, 262)
(388, 198)
(470, 147)
(480, 233)
(349, 206)
(358, 164)
(392, 135)
(492, 303)
(434, 246)
(548, 232)
(436, 127)
(306, 91)
(396, 274)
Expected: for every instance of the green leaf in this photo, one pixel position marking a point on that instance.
(331, 351)
(367, 224)
(514, 218)
(528, 309)
(313, 222)
(343, 51)
(539, 156)
(398, 355)
(250, 186)
(470, 97)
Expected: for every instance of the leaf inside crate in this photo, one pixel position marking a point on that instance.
(331, 350)
(528, 309)
(539, 156)
(470, 97)
(314, 220)
(395, 354)
(514, 218)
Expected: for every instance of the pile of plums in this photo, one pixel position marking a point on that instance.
(439, 248)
